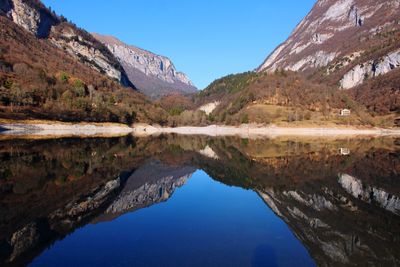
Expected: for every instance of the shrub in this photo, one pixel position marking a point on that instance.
(67, 97)
(307, 116)
(245, 119)
(129, 118)
(79, 84)
(175, 111)
(64, 77)
(8, 84)
(80, 92)
(211, 118)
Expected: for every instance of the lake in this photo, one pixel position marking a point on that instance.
(200, 201)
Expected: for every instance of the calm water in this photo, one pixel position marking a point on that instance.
(197, 201)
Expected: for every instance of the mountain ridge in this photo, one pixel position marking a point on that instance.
(154, 75)
(36, 18)
(331, 29)
(65, 75)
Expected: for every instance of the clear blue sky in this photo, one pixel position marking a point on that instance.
(206, 39)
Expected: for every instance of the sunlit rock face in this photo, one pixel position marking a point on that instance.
(153, 74)
(30, 15)
(370, 69)
(25, 16)
(76, 44)
(320, 36)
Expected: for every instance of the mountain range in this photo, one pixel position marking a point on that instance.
(35, 18)
(151, 74)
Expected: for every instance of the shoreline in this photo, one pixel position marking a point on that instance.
(37, 128)
(264, 131)
(62, 129)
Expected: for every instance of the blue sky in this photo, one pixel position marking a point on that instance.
(206, 39)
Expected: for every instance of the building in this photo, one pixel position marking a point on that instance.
(344, 151)
(345, 112)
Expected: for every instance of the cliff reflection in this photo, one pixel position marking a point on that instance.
(343, 207)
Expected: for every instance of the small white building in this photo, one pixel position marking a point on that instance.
(345, 112)
(344, 151)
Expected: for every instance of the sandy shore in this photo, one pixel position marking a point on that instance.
(59, 129)
(257, 131)
(64, 129)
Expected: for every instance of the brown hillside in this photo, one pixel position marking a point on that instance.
(39, 80)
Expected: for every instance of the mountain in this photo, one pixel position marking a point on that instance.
(360, 36)
(352, 44)
(345, 54)
(153, 75)
(331, 30)
(34, 17)
(51, 69)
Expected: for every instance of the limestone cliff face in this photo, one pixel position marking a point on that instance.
(332, 30)
(80, 45)
(25, 16)
(153, 74)
(34, 17)
(31, 15)
(370, 69)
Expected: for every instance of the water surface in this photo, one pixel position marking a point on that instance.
(199, 201)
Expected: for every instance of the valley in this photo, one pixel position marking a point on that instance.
(53, 70)
(199, 133)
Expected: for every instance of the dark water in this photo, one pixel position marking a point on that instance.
(198, 201)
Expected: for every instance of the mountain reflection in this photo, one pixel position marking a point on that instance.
(339, 197)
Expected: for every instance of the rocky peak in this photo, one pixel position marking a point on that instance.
(34, 17)
(321, 35)
(153, 74)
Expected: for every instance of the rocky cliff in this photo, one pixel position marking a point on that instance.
(333, 28)
(154, 75)
(152, 183)
(371, 68)
(34, 17)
